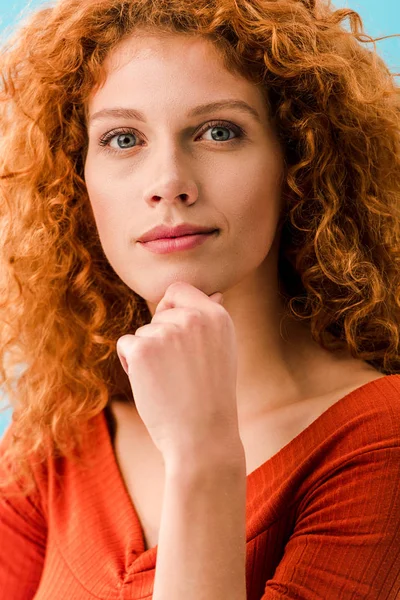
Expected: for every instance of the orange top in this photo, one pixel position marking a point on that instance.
(323, 516)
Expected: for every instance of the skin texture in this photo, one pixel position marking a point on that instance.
(171, 169)
(192, 407)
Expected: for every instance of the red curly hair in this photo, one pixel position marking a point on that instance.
(335, 107)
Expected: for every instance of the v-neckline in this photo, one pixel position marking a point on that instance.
(147, 557)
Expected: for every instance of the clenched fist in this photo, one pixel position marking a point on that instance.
(182, 368)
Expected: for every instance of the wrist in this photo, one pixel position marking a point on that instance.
(225, 455)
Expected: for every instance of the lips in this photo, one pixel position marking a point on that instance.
(177, 244)
(183, 229)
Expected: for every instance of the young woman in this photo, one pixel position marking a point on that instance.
(216, 415)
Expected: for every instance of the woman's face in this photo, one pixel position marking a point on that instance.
(220, 168)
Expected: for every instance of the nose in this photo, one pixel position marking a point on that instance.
(170, 177)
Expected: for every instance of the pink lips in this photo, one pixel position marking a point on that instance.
(184, 242)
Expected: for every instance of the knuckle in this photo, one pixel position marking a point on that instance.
(141, 349)
(176, 285)
(193, 318)
(219, 313)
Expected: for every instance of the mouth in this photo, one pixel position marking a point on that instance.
(178, 243)
(173, 237)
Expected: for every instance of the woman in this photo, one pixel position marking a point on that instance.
(226, 403)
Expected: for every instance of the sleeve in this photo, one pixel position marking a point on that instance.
(346, 540)
(23, 534)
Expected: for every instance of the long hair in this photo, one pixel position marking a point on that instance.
(335, 107)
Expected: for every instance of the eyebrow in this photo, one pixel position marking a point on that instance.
(131, 113)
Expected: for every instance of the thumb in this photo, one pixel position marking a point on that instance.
(121, 347)
(217, 297)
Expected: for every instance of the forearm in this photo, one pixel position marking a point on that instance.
(201, 551)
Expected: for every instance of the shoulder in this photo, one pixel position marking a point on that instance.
(365, 420)
(377, 401)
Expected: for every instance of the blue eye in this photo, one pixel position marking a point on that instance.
(219, 128)
(122, 136)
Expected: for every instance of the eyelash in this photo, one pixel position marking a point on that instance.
(240, 134)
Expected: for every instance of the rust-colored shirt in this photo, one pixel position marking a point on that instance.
(323, 516)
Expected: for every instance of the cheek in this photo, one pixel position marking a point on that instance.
(105, 200)
(251, 195)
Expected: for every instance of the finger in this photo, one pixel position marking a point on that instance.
(184, 294)
(174, 315)
(127, 342)
(160, 329)
(122, 346)
(217, 297)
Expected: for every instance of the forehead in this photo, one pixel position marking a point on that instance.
(168, 67)
(174, 48)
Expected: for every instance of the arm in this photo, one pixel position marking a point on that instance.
(23, 534)
(201, 552)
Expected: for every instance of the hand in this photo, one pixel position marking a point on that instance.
(182, 369)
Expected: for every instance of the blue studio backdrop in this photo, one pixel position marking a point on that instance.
(380, 19)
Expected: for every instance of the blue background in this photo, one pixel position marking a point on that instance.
(380, 19)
